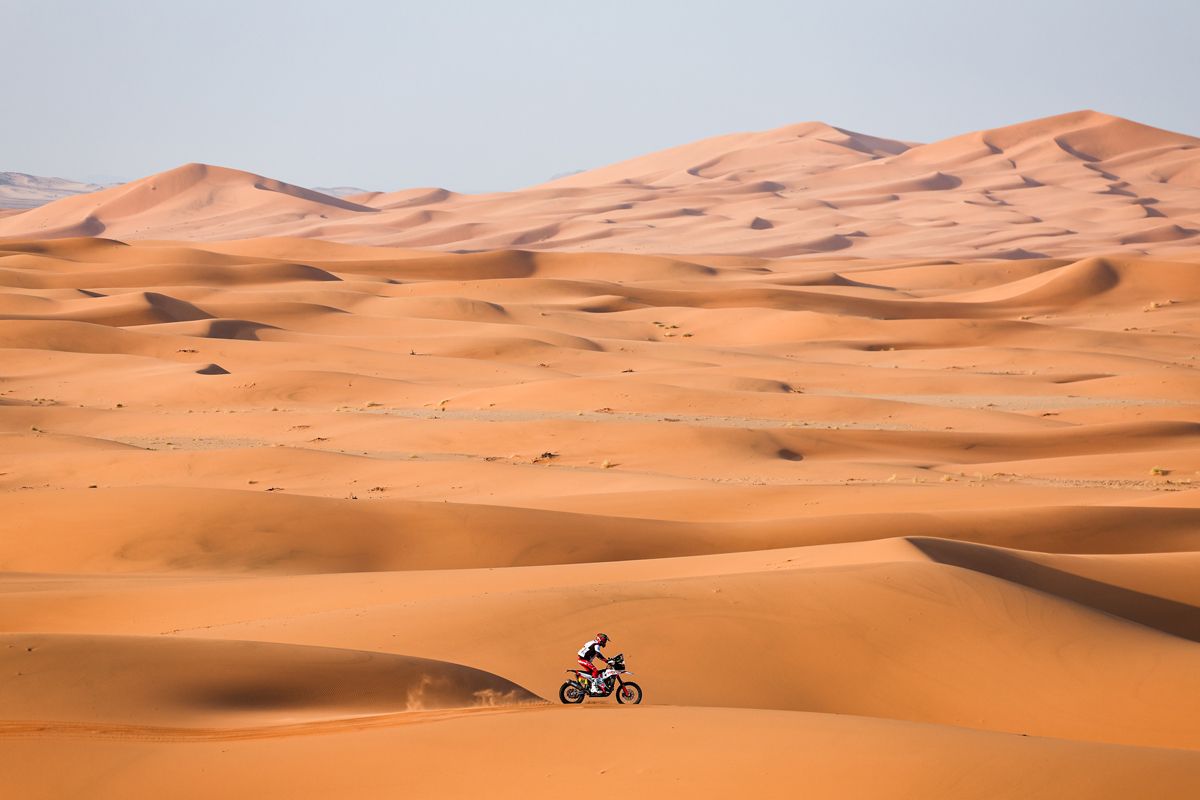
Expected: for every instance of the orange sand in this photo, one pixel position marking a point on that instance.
(1063, 186)
(288, 517)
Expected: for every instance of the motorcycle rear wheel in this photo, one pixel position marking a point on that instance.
(629, 693)
(570, 693)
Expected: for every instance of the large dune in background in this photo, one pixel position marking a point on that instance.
(285, 516)
(1062, 186)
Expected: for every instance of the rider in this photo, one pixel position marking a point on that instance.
(592, 650)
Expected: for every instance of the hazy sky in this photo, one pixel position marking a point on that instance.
(479, 96)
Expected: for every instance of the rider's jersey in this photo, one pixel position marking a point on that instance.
(590, 650)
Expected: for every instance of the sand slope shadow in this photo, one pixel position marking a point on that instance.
(175, 681)
(1169, 616)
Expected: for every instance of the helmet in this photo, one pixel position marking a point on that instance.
(602, 639)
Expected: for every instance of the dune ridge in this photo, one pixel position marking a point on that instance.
(1064, 186)
(199, 683)
(19, 190)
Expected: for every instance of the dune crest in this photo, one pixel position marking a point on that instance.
(181, 203)
(180, 683)
(1069, 185)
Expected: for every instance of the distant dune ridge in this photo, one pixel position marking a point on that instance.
(1060, 186)
(283, 516)
(19, 190)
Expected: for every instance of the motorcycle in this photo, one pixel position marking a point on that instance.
(610, 680)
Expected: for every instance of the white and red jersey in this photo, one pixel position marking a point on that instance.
(590, 650)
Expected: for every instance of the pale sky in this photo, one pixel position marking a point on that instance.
(482, 96)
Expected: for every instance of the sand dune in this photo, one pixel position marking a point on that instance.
(839, 618)
(176, 682)
(185, 199)
(1064, 186)
(878, 501)
(1170, 616)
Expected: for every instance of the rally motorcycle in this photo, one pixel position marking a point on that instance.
(610, 680)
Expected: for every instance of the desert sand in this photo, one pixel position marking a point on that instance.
(1065, 186)
(297, 501)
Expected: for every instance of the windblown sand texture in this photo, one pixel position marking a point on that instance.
(288, 517)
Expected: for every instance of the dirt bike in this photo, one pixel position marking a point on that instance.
(583, 685)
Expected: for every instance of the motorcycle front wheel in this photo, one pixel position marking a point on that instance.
(570, 693)
(629, 693)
